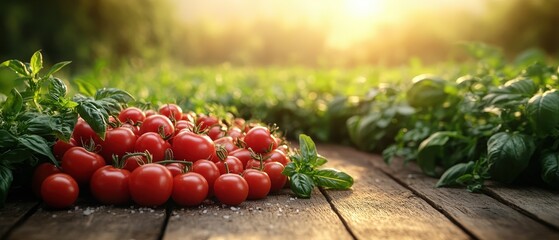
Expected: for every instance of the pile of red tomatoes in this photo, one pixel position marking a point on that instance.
(149, 157)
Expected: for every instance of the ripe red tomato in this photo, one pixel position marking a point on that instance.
(133, 162)
(190, 146)
(226, 142)
(259, 183)
(208, 170)
(151, 185)
(118, 141)
(234, 132)
(231, 189)
(277, 156)
(83, 133)
(172, 111)
(60, 147)
(150, 112)
(235, 165)
(183, 125)
(134, 129)
(216, 132)
(155, 145)
(157, 124)
(274, 169)
(242, 154)
(259, 139)
(109, 185)
(205, 121)
(189, 189)
(59, 190)
(41, 172)
(131, 115)
(175, 168)
(81, 164)
(255, 164)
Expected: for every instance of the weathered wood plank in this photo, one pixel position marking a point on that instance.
(279, 216)
(538, 203)
(91, 221)
(380, 208)
(14, 211)
(481, 215)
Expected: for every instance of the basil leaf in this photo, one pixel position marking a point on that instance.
(16, 66)
(6, 139)
(94, 116)
(56, 67)
(332, 178)
(36, 62)
(430, 150)
(6, 178)
(57, 89)
(542, 111)
(426, 91)
(289, 169)
(302, 185)
(37, 145)
(13, 104)
(308, 149)
(550, 169)
(320, 160)
(120, 96)
(450, 177)
(509, 154)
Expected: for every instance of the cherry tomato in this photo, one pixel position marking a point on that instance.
(151, 185)
(234, 132)
(239, 123)
(255, 164)
(83, 134)
(81, 164)
(60, 147)
(277, 156)
(231, 189)
(259, 183)
(118, 141)
(208, 170)
(205, 122)
(183, 125)
(109, 185)
(242, 154)
(59, 190)
(41, 172)
(150, 113)
(226, 142)
(175, 168)
(189, 116)
(190, 146)
(133, 162)
(235, 165)
(155, 145)
(259, 139)
(216, 132)
(274, 169)
(157, 124)
(131, 115)
(134, 129)
(172, 111)
(189, 189)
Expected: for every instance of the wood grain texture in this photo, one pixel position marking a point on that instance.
(380, 208)
(13, 211)
(539, 203)
(481, 215)
(279, 216)
(92, 222)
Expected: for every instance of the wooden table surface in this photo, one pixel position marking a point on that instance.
(386, 202)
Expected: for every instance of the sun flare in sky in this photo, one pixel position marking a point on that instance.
(344, 21)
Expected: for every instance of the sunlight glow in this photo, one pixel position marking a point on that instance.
(363, 8)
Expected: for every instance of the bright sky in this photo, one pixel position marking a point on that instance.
(346, 21)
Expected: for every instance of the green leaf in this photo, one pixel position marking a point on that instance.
(56, 67)
(332, 178)
(513, 90)
(550, 169)
(37, 145)
(6, 139)
(302, 185)
(13, 104)
(432, 149)
(509, 154)
(36, 62)
(307, 147)
(542, 111)
(6, 178)
(426, 91)
(120, 96)
(16, 66)
(94, 116)
(320, 160)
(450, 177)
(289, 169)
(57, 89)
